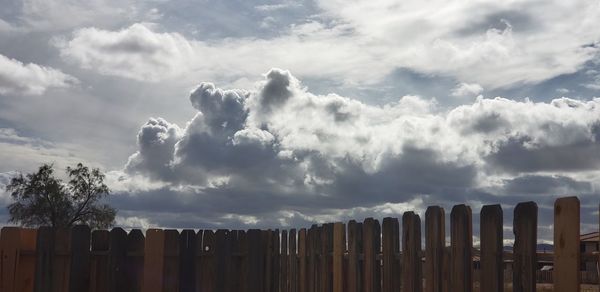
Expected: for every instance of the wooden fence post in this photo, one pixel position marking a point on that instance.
(302, 273)
(187, 261)
(492, 265)
(326, 250)
(117, 257)
(371, 248)
(283, 267)
(26, 273)
(412, 280)
(255, 261)
(275, 261)
(354, 279)
(10, 239)
(208, 262)
(339, 248)
(99, 267)
(435, 242)
(270, 265)
(171, 261)
(135, 261)
(461, 234)
(222, 256)
(44, 259)
(567, 252)
(293, 262)
(525, 257)
(79, 279)
(154, 256)
(390, 248)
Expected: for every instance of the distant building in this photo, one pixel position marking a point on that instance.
(589, 243)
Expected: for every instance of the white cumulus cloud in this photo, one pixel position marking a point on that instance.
(33, 79)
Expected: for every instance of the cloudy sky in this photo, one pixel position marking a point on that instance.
(246, 114)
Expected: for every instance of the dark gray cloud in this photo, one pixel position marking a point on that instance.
(279, 155)
(514, 155)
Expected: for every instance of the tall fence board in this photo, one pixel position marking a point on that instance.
(566, 251)
(333, 257)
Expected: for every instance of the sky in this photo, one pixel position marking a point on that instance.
(280, 114)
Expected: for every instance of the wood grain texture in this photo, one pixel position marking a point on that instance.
(567, 252)
(79, 279)
(99, 261)
(390, 248)
(171, 261)
(435, 242)
(461, 235)
(61, 264)
(117, 257)
(339, 248)
(524, 249)
(26, 272)
(255, 261)
(491, 233)
(293, 262)
(411, 253)
(10, 240)
(283, 266)
(154, 256)
(187, 261)
(44, 258)
(354, 279)
(134, 266)
(371, 247)
(302, 271)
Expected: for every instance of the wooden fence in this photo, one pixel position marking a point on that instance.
(354, 257)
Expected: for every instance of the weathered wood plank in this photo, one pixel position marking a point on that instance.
(154, 257)
(354, 277)
(283, 267)
(117, 257)
(339, 248)
(275, 260)
(255, 261)
(435, 242)
(525, 258)
(461, 234)
(391, 247)
(293, 262)
(243, 268)
(223, 255)
(208, 266)
(171, 261)
(62, 262)
(134, 267)
(10, 240)
(567, 252)
(79, 280)
(491, 233)
(311, 270)
(187, 261)
(371, 247)
(199, 260)
(270, 266)
(411, 253)
(44, 259)
(326, 257)
(26, 273)
(302, 275)
(99, 267)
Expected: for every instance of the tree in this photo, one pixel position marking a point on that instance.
(43, 200)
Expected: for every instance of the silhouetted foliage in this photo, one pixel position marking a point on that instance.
(44, 200)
